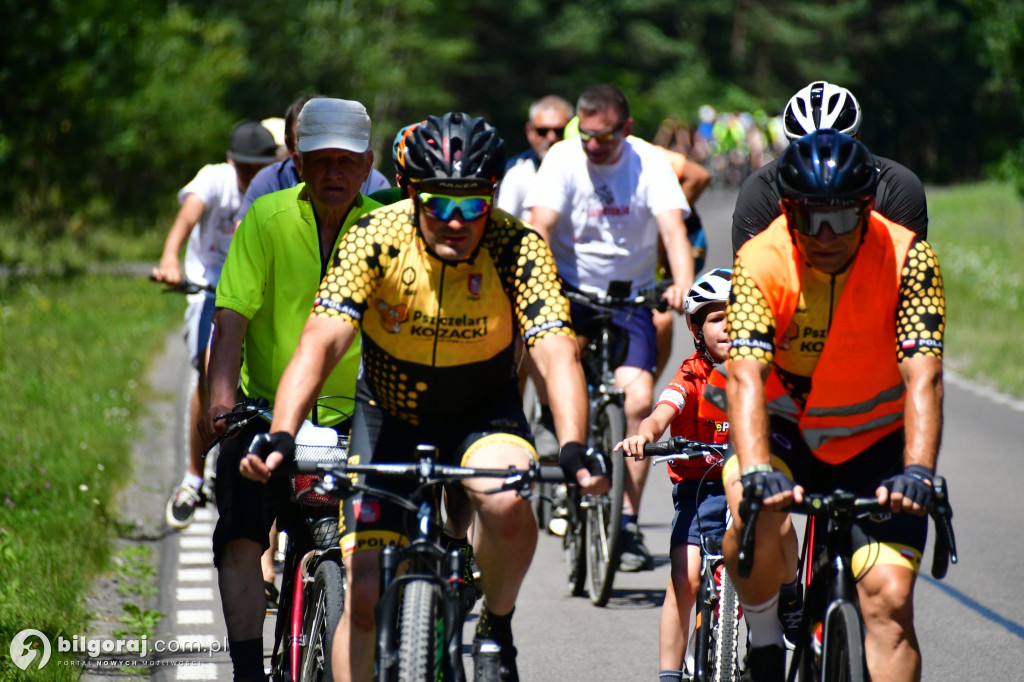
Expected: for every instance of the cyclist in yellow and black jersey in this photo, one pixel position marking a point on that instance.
(441, 288)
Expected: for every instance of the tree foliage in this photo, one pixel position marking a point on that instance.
(110, 105)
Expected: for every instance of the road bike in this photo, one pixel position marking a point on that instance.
(312, 594)
(830, 644)
(421, 611)
(715, 639)
(592, 540)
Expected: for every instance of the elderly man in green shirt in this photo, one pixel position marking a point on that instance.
(281, 251)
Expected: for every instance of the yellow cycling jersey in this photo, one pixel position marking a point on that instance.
(440, 338)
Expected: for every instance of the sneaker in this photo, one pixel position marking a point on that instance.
(635, 555)
(494, 662)
(181, 508)
(765, 664)
(790, 605)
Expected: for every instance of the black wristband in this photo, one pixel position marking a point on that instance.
(279, 441)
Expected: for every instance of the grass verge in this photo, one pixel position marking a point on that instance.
(978, 233)
(73, 354)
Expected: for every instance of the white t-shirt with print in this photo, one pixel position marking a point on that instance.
(217, 186)
(606, 227)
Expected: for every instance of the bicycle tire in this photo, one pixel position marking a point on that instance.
(574, 545)
(604, 516)
(726, 629)
(420, 631)
(323, 611)
(842, 652)
(703, 643)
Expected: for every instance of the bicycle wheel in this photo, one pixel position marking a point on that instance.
(726, 631)
(420, 631)
(703, 632)
(842, 652)
(604, 515)
(574, 543)
(323, 611)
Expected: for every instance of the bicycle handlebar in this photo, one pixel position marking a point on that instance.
(844, 504)
(649, 298)
(185, 286)
(680, 448)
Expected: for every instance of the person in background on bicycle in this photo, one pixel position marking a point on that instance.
(208, 203)
(601, 202)
(836, 322)
(899, 197)
(697, 493)
(273, 270)
(443, 289)
(286, 173)
(545, 127)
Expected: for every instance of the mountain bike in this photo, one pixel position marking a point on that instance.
(830, 644)
(715, 639)
(595, 521)
(312, 593)
(420, 613)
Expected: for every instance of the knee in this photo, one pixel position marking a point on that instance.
(638, 400)
(508, 510)
(238, 555)
(887, 604)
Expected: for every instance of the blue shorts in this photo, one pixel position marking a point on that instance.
(637, 347)
(700, 510)
(198, 325)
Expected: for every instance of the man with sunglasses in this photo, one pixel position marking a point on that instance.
(601, 201)
(444, 292)
(548, 117)
(836, 321)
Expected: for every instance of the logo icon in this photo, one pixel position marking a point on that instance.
(23, 653)
(474, 282)
(392, 317)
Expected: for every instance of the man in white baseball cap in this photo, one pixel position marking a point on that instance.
(280, 252)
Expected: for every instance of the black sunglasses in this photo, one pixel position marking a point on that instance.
(543, 132)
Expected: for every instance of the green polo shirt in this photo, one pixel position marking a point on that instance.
(271, 276)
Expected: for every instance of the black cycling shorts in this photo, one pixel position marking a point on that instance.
(888, 538)
(369, 522)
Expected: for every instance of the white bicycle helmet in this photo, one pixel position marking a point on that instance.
(711, 287)
(821, 105)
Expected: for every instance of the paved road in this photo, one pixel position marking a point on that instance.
(969, 625)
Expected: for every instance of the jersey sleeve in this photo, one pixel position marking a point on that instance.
(751, 321)
(921, 316)
(357, 268)
(530, 278)
(900, 197)
(205, 185)
(664, 192)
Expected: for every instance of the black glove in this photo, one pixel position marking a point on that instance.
(575, 456)
(915, 484)
(774, 482)
(279, 441)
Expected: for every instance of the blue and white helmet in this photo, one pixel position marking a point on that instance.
(711, 287)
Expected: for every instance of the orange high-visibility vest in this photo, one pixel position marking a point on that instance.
(857, 391)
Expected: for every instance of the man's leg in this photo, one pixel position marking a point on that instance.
(505, 538)
(639, 387)
(355, 638)
(890, 641)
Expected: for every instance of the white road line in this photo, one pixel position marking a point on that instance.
(204, 514)
(194, 542)
(194, 643)
(195, 575)
(194, 593)
(204, 529)
(196, 558)
(203, 671)
(194, 617)
(986, 392)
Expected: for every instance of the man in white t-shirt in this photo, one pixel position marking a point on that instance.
(207, 221)
(600, 202)
(546, 126)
